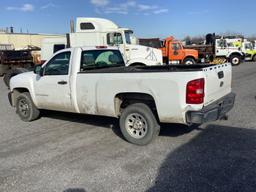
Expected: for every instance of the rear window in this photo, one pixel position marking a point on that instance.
(97, 59)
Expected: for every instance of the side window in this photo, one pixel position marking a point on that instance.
(176, 46)
(221, 43)
(59, 65)
(98, 59)
(230, 44)
(114, 38)
(86, 26)
(58, 47)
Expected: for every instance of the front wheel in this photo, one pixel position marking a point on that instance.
(254, 58)
(138, 124)
(235, 60)
(189, 61)
(25, 108)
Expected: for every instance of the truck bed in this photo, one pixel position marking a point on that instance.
(150, 69)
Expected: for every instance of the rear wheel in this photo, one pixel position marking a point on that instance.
(25, 108)
(189, 61)
(235, 60)
(138, 124)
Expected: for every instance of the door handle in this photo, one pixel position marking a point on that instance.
(62, 82)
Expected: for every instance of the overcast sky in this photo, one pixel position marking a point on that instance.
(148, 18)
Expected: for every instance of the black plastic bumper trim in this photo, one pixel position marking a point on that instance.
(212, 112)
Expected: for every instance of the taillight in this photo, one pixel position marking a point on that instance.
(195, 92)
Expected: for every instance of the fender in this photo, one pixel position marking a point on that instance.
(24, 81)
(190, 56)
(236, 52)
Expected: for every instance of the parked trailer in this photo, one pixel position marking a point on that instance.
(13, 62)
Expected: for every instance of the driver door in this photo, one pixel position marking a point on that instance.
(221, 47)
(176, 52)
(52, 89)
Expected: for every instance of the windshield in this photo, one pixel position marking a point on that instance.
(129, 37)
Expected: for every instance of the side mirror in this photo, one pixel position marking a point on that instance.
(38, 70)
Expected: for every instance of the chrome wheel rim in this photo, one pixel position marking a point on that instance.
(235, 61)
(136, 125)
(23, 107)
(189, 63)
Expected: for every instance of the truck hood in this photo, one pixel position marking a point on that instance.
(191, 52)
(142, 53)
(22, 80)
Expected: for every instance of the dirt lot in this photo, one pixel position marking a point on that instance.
(76, 153)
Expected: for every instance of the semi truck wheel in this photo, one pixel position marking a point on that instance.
(254, 58)
(25, 108)
(235, 60)
(12, 73)
(189, 61)
(138, 124)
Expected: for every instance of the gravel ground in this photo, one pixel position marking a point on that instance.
(76, 153)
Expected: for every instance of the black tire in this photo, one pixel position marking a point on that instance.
(235, 60)
(189, 61)
(148, 127)
(12, 73)
(25, 108)
(137, 65)
(254, 58)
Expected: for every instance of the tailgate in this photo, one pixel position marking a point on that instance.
(217, 82)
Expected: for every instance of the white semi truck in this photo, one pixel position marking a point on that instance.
(103, 32)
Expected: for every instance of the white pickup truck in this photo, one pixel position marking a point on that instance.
(94, 80)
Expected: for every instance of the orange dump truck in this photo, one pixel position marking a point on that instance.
(172, 50)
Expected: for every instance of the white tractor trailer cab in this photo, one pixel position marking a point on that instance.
(103, 32)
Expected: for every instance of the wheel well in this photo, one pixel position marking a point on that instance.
(235, 54)
(16, 92)
(189, 57)
(137, 64)
(123, 100)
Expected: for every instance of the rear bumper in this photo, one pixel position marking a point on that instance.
(212, 112)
